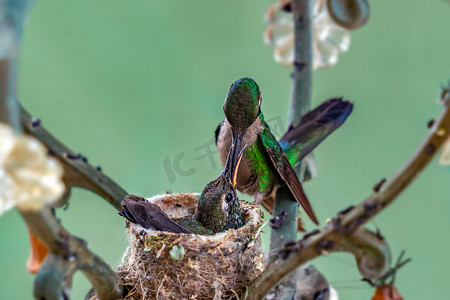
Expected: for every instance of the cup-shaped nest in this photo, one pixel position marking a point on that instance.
(165, 265)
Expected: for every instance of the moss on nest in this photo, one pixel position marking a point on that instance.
(164, 265)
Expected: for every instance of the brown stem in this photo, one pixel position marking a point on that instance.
(346, 223)
(69, 253)
(300, 104)
(77, 172)
(5, 108)
(303, 60)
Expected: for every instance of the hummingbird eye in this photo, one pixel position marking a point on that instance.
(229, 197)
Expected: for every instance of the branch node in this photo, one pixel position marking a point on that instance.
(35, 123)
(346, 210)
(278, 221)
(299, 65)
(376, 188)
(430, 149)
(324, 246)
(311, 233)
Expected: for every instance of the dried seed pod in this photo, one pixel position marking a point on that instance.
(350, 14)
(329, 38)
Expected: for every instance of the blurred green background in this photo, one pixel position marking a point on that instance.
(132, 84)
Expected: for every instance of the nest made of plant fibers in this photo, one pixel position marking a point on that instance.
(164, 265)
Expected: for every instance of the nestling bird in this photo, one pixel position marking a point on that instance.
(218, 209)
(267, 164)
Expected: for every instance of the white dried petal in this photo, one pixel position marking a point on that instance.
(29, 179)
(329, 39)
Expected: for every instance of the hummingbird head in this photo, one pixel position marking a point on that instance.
(218, 206)
(242, 104)
(242, 107)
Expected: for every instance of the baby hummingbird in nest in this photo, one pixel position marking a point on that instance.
(267, 164)
(218, 208)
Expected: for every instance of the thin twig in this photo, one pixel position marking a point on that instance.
(344, 225)
(77, 171)
(303, 60)
(72, 251)
(300, 104)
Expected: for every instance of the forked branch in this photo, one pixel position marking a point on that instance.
(77, 171)
(68, 254)
(345, 224)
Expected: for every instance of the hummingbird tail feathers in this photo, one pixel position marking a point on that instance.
(301, 138)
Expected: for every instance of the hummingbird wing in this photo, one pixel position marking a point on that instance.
(285, 170)
(150, 216)
(300, 139)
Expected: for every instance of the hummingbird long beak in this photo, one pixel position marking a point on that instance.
(233, 183)
(234, 157)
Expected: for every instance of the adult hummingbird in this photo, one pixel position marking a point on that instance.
(267, 164)
(218, 209)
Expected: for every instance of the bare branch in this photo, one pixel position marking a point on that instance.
(68, 253)
(54, 279)
(77, 171)
(343, 227)
(300, 104)
(303, 21)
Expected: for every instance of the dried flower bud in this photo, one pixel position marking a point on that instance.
(329, 39)
(29, 179)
